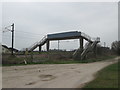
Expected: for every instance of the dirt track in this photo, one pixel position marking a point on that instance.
(51, 75)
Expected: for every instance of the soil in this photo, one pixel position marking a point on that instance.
(51, 75)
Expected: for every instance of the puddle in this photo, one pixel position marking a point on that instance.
(47, 77)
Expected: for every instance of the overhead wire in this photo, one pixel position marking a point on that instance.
(20, 37)
(28, 32)
(31, 35)
(8, 26)
(28, 36)
(34, 36)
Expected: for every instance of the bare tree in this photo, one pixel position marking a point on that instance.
(115, 46)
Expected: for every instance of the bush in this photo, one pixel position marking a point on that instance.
(116, 47)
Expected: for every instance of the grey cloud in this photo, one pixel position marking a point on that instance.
(95, 19)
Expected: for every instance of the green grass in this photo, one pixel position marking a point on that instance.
(100, 58)
(106, 78)
(46, 62)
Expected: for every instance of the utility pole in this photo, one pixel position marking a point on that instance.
(12, 36)
(12, 30)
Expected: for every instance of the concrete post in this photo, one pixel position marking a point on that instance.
(47, 45)
(81, 44)
(40, 48)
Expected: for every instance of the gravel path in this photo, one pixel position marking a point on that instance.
(51, 75)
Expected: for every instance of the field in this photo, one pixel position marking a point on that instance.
(106, 78)
(61, 57)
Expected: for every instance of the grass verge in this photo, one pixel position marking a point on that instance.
(17, 61)
(106, 78)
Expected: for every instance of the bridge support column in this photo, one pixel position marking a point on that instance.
(40, 48)
(81, 44)
(47, 45)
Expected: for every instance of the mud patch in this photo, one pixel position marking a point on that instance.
(78, 71)
(72, 68)
(31, 83)
(47, 77)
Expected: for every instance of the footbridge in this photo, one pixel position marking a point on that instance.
(68, 35)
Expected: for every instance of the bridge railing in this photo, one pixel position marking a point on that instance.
(36, 43)
(42, 40)
(86, 36)
(89, 38)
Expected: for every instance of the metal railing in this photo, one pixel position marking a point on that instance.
(36, 43)
(86, 36)
(42, 40)
(90, 38)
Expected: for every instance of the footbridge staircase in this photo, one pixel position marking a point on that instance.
(92, 42)
(67, 35)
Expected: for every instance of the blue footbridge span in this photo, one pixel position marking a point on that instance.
(92, 42)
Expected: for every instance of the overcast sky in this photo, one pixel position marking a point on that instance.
(34, 20)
